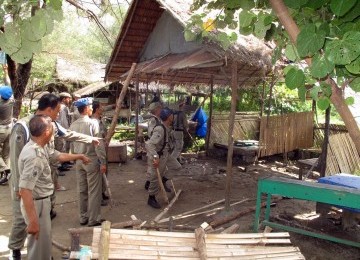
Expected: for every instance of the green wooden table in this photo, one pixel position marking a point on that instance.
(318, 192)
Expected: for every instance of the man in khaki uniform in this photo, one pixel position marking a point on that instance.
(6, 112)
(89, 176)
(180, 125)
(48, 105)
(36, 186)
(158, 145)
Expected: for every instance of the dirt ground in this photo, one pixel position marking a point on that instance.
(202, 181)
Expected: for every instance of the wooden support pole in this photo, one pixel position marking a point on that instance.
(200, 243)
(230, 135)
(156, 226)
(210, 115)
(158, 217)
(136, 115)
(111, 130)
(324, 148)
(104, 240)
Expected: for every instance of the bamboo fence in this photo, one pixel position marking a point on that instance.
(285, 133)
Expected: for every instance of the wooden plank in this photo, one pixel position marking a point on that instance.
(200, 243)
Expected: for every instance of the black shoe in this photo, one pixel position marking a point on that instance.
(147, 184)
(104, 203)
(63, 169)
(16, 254)
(52, 214)
(4, 177)
(104, 196)
(66, 165)
(83, 223)
(164, 180)
(97, 223)
(153, 202)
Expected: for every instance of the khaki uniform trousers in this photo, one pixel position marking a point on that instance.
(40, 248)
(154, 184)
(179, 143)
(4, 147)
(89, 181)
(18, 229)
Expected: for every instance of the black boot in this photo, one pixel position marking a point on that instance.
(164, 180)
(16, 254)
(153, 202)
(147, 184)
(4, 177)
(52, 214)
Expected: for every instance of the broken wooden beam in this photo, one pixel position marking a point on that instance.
(158, 217)
(238, 214)
(231, 230)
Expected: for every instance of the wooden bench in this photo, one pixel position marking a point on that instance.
(307, 164)
(318, 192)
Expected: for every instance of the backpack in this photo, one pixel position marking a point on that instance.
(159, 123)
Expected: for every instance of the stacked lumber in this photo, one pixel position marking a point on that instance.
(142, 244)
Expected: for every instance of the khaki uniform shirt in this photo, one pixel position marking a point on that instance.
(156, 141)
(152, 123)
(35, 171)
(64, 116)
(86, 125)
(6, 111)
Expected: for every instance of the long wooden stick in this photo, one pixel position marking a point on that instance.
(161, 185)
(193, 210)
(158, 217)
(200, 243)
(104, 240)
(111, 130)
(200, 213)
(108, 189)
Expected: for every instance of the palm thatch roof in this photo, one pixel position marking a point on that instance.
(152, 36)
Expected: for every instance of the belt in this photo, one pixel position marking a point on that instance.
(42, 198)
(178, 129)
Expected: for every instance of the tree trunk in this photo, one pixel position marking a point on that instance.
(19, 76)
(336, 97)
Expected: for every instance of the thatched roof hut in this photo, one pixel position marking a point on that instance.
(152, 36)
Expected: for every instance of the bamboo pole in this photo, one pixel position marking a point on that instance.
(234, 82)
(210, 115)
(123, 224)
(111, 130)
(231, 230)
(200, 243)
(158, 217)
(136, 115)
(104, 240)
(161, 185)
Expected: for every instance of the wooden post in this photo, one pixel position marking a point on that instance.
(200, 243)
(323, 156)
(104, 241)
(210, 115)
(118, 104)
(234, 82)
(136, 114)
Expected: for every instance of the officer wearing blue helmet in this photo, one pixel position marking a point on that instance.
(6, 121)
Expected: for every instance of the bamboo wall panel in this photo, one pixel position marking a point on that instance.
(342, 155)
(285, 133)
(246, 127)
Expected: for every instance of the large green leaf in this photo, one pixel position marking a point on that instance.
(320, 66)
(309, 41)
(302, 93)
(354, 66)
(352, 14)
(341, 7)
(316, 4)
(343, 51)
(189, 35)
(326, 89)
(350, 101)
(260, 29)
(295, 78)
(290, 52)
(296, 4)
(55, 4)
(323, 103)
(31, 46)
(314, 92)
(246, 18)
(22, 56)
(355, 84)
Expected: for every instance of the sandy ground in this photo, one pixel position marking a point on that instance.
(202, 182)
